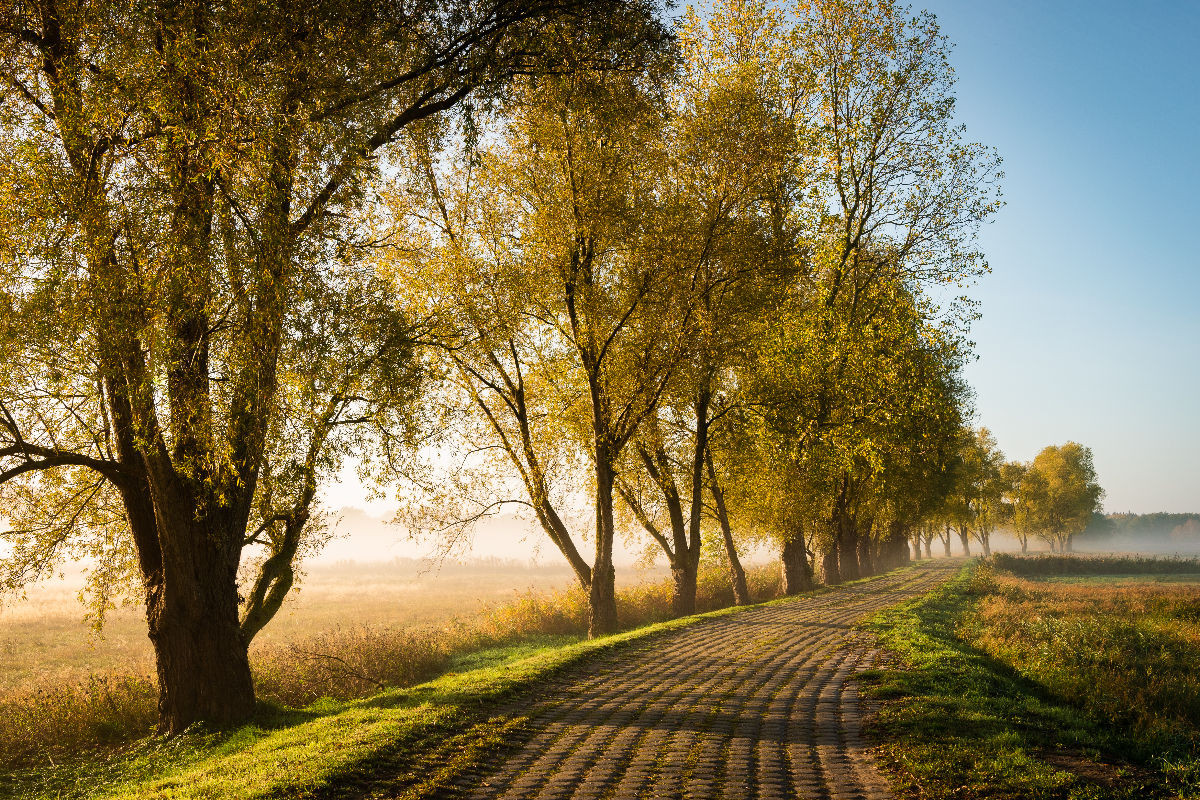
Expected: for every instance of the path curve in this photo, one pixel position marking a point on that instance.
(753, 705)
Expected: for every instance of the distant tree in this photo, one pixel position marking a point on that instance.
(1012, 514)
(1061, 493)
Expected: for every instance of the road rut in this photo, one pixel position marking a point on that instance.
(759, 704)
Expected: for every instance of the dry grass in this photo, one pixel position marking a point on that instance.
(1125, 653)
(393, 643)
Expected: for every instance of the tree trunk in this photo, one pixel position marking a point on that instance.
(683, 596)
(200, 653)
(830, 575)
(946, 541)
(797, 577)
(965, 537)
(1068, 546)
(928, 537)
(602, 602)
(985, 540)
(848, 568)
(737, 575)
(866, 565)
(1025, 545)
(602, 597)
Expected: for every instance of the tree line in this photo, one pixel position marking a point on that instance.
(699, 278)
(1054, 497)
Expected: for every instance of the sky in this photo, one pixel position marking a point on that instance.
(1091, 315)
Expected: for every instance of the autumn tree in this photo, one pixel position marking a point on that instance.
(1060, 493)
(180, 181)
(563, 311)
(725, 180)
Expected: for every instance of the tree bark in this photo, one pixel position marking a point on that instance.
(866, 565)
(830, 575)
(683, 596)
(602, 595)
(201, 656)
(797, 577)
(848, 568)
(946, 540)
(965, 537)
(737, 575)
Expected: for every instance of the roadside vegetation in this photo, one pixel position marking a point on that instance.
(1012, 687)
(93, 721)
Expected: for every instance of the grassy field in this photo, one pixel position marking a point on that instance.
(44, 639)
(1014, 687)
(74, 716)
(408, 742)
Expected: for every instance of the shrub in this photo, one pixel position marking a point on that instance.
(54, 721)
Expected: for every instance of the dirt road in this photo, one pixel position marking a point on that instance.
(754, 705)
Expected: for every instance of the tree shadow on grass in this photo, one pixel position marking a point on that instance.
(958, 722)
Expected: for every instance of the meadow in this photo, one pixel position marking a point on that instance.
(1051, 676)
(351, 631)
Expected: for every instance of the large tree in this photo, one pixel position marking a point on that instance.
(180, 181)
(560, 305)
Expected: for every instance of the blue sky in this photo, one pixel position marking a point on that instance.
(1091, 316)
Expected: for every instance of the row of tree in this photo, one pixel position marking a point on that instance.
(1054, 497)
(695, 280)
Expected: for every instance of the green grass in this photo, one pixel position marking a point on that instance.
(959, 722)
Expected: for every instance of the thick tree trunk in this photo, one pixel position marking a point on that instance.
(848, 568)
(797, 577)
(896, 545)
(1025, 545)
(683, 596)
(928, 539)
(200, 652)
(866, 565)
(737, 575)
(946, 541)
(602, 602)
(965, 537)
(986, 540)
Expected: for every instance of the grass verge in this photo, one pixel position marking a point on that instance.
(972, 713)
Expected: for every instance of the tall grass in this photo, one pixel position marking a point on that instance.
(50, 723)
(1127, 655)
(1053, 564)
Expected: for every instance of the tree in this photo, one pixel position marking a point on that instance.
(1061, 493)
(180, 180)
(563, 313)
(1013, 475)
(723, 182)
